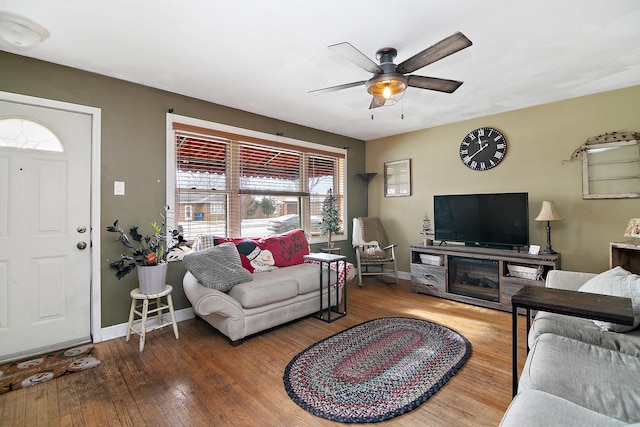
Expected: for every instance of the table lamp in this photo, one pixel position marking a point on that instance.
(548, 213)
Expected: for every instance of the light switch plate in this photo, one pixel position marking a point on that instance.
(118, 188)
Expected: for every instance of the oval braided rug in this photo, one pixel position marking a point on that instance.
(376, 370)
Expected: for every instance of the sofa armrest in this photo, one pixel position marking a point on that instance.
(570, 280)
(207, 301)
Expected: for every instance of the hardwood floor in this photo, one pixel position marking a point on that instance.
(201, 380)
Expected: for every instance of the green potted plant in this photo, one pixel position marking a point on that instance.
(427, 231)
(330, 217)
(148, 254)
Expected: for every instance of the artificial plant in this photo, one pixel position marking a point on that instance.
(330, 216)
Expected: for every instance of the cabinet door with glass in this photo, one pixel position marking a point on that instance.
(611, 170)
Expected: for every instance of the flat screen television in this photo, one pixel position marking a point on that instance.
(499, 220)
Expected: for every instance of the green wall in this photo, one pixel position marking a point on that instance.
(133, 151)
(539, 138)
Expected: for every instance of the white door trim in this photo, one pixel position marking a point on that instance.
(96, 122)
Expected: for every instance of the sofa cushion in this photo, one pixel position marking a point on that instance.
(617, 282)
(218, 267)
(534, 408)
(308, 277)
(599, 379)
(267, 287)
(584, 330)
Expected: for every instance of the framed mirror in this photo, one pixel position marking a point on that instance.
(397, 178)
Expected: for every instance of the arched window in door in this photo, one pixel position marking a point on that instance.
(27, 134)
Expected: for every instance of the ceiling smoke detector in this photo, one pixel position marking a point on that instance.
(20, 32)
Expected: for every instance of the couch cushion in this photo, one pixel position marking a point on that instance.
(218, 267)
(584, 330)
(534, 408)
(308, 277)
(267, 287)
(617, 282)
(599, 379)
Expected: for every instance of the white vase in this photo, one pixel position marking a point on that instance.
(152, 278)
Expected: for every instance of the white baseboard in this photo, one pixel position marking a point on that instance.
(117, 331)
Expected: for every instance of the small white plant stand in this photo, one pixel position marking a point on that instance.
(157, 308)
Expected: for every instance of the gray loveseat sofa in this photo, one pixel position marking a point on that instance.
(577, 373)
(267, 297)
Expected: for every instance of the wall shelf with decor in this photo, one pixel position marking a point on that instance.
(482, 276)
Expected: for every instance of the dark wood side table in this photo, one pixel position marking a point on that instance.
(325, 260)
(573, 303)
(626, 255)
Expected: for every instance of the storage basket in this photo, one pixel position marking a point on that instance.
(431, 259)
(531, 273)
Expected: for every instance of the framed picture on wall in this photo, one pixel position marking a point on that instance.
(397, 178)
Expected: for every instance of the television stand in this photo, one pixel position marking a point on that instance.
(487, 277)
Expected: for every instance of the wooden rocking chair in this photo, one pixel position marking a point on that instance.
(374, 254)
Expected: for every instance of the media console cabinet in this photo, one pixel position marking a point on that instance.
(481, 276)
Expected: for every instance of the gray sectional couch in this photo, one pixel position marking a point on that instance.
(577, 373)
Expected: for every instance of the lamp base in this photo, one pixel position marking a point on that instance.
(548, 249)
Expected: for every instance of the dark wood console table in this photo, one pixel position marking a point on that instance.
(573, 303)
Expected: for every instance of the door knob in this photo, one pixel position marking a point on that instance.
(82, 245)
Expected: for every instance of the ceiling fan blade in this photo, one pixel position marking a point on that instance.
(434, 83)
(377, 101)
(339, 87)
(443, 48)
(354, 55)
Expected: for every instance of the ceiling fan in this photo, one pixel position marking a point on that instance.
(390, 80)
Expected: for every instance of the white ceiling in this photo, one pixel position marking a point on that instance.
(265, 56)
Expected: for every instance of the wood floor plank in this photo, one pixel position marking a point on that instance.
(201, 380)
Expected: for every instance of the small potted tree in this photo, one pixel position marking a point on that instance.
(427, 231)
(330, 217)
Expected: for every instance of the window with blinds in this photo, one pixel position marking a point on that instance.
(230, 184)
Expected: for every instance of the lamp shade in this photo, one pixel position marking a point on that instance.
(548, 212)
(368, 176)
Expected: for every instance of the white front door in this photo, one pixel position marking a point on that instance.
(45, 230)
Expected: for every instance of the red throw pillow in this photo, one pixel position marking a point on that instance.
(288, 248)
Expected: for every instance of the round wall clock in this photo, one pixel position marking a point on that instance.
(483, 149)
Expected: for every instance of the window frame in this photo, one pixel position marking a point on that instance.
(252, 136)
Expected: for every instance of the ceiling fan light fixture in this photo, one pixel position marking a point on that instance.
(20, 32)
(387, 85)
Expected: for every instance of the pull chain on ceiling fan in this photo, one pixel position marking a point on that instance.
(390, 81)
